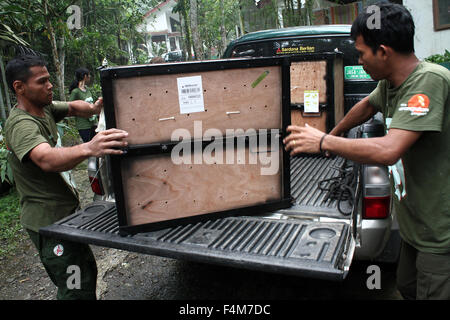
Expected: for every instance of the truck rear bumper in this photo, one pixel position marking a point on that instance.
(374, 237)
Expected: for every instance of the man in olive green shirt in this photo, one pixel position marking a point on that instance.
(414, 99)
(86, 127)
(39, 165)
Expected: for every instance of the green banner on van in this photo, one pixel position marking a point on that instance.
(355, 73)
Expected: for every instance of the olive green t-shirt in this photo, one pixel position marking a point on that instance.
(80, 122)
(421, 178)
(45, 197)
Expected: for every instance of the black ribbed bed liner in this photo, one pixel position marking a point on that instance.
(292, 246)
(306, 173)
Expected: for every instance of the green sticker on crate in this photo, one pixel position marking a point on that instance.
(355, 73)
(260, 78)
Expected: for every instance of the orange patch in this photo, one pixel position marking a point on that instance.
(419, 101)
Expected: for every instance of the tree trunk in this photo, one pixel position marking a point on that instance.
(2, 106)
(185, 29)
(223, 31)
(241, 20)
(62, 56)
(198, 48)
(7, 98)
(56, 61)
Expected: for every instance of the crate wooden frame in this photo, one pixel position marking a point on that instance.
(140, 148)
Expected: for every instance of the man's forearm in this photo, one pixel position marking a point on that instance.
(62, 159)
(83, 109)
(385, 150)
(58, 159)
(360, 113)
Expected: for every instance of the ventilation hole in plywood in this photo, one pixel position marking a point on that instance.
(149, 94)
(133, 119)
(131, 97)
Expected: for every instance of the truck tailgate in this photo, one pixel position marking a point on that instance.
(290, 241)
(290, 246)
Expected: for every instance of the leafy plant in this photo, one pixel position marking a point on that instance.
(10, 235)
(439, 58)
(5, 168)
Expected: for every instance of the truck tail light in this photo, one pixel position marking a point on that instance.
(376, 207)
(96, 186)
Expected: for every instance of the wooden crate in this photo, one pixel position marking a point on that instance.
(243, 99)
(325, 74)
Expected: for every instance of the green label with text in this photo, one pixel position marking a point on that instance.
(355, 73)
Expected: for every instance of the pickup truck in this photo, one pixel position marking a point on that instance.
(317, 237)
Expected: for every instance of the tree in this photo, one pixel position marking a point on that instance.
(57, 45)
(7, 37)
(198, 45)
(182, 8)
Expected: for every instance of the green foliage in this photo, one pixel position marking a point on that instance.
(68, 132)
(10, 223)
(439, 58)
(5, 168)
(108, 27)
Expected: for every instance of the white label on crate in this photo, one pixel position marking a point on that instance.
(190, 94)
(311, 100)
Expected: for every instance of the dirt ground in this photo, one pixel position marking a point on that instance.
(22, 275)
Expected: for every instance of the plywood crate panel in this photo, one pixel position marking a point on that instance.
(156, 189)
(308, 75)
(148, 108)
(325, 73)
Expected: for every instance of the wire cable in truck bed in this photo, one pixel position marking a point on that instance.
(341, 187)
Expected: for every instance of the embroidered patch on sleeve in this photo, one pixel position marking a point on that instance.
(418, 105)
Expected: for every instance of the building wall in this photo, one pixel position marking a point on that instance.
(156, 21)
(159, 22)
(427, 41)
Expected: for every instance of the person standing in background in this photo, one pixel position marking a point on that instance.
(79, 91)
